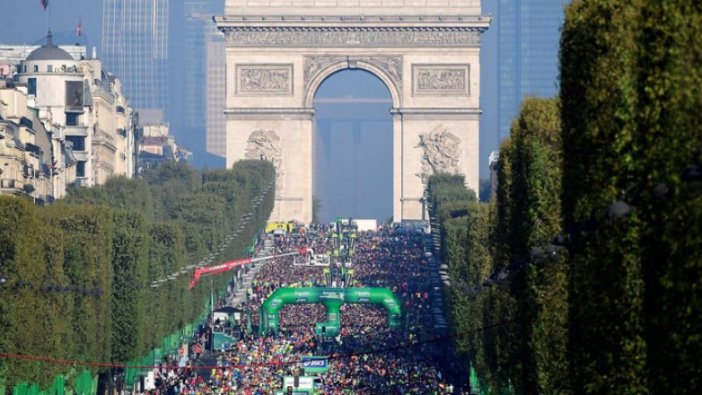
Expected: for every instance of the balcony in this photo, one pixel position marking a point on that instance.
(78, 130)
(11, 186)
(82, 156)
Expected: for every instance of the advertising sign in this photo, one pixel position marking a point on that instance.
(303, 382)
(331, 295)
(74, 96)
(315, 364)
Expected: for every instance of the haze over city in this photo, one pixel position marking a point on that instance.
(67, 15)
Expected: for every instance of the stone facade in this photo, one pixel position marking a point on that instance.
(79, 126)
(25, 150)
(112, 120)
(427, 53)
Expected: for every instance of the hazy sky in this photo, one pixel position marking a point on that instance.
(25, 22)
(353, 147)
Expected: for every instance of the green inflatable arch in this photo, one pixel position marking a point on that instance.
(332, 299)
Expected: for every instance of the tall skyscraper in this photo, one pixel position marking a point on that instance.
(135, 47)
(528, 39)
(198, 29)
(215, 97)
(198, 26)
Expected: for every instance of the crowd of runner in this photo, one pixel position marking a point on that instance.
(366, 358)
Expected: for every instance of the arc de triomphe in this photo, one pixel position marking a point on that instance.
(427, 52)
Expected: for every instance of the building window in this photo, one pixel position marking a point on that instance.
(26, 122)
(71, 119)
(50, 68)
(32, 86)
(80, 169)
(36, 68)
(77, 141)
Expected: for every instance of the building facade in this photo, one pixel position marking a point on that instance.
(69, 118)
(528, 34)
(135, 47)
(158, 146)
(26, 153)
(55, 89)
(113, 124)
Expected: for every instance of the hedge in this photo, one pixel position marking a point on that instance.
(79, 272)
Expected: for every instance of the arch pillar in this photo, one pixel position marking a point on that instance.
(427, 140)
(283, 136)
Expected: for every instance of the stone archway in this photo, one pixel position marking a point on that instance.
(387, 68)
(279, 52)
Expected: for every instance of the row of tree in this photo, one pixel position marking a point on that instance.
(80, 273)
(584, 273)
(510, 309)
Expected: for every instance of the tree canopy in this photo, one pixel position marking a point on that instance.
(79, 272)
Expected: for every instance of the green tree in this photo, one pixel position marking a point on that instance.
(470, 262)
(18, 256)
(540, 291)
(484, 194)
(129, 263)
(86, 245)
(80, 272)
(598, 51)
(666, 148)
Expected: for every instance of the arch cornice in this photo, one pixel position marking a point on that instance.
(388, 68)
(367, 35)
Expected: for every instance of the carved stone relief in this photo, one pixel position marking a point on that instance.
(264, 80)
(441, 79)
(315, 64)
(441, 152)
(89, 70)
(265, 145)
(390, 65)
(334, 37)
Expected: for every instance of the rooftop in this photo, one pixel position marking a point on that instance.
(49, 51)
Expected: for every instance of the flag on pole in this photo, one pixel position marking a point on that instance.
(44, 3)
(79, 28)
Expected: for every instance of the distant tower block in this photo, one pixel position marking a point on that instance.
(135, 47)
